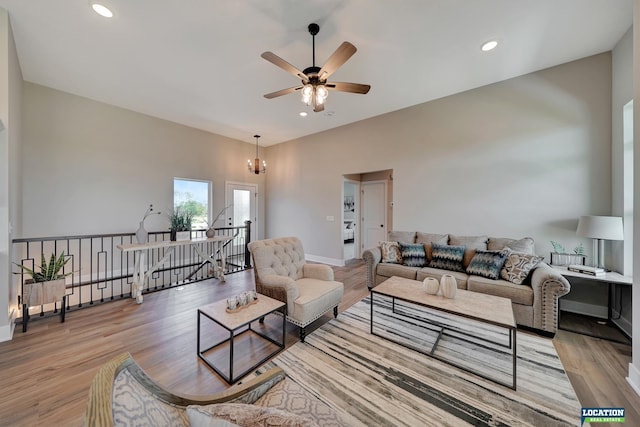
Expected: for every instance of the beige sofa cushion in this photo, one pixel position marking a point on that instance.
(427, 239)
(315, 297)
(436, 273)
(519, 294)
(388, 270)
(524, 245)
(471, 244)
(402, 236)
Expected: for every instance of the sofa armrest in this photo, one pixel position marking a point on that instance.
(317, 271)
(548, 286)
(372, 258)
(282, 288)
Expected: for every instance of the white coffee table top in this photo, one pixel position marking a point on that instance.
(217, 311)
(475, 305)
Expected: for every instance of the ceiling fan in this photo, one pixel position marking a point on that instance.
(315, 87)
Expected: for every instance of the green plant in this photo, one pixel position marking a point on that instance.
(558, 248)
(180, 220)
(48, 271)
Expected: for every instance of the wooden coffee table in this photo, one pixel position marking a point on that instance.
(476, 306)
(237, 324)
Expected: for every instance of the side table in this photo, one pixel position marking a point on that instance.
(236, 324)
(610, 278)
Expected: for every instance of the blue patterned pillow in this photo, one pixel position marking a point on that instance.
(447, 257)
(488, 263)
(413, 255)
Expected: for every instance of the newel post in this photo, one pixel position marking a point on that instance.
(247, 239)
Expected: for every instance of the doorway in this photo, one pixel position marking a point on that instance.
(350, 223)
(367, 198)
(242, 199)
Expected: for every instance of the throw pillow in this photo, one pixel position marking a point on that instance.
(471, 244)
(243, 415)
(391, 252)
(413, 255)
(518, 265)
(428, 239)
(488, 263)
(447, 257)
(524, 245)
(402, 236)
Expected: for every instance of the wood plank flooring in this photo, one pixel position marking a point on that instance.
(46, 372)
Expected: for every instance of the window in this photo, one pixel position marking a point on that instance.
(193, 196)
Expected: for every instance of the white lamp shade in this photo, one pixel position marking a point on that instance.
(600, 227)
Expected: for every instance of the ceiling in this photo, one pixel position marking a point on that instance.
(198, 63)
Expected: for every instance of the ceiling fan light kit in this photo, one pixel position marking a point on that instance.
(315, 88)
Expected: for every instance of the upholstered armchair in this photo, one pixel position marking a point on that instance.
(122, 394)
(281, 272)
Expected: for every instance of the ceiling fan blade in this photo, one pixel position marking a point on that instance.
(276, 60)
(348, 87)
(318, 107)
(339, 57)
(282, 92)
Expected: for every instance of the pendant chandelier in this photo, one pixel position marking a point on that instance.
(255, 167)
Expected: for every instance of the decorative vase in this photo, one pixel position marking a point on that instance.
(211, 232)
(142, 235)
(448, 285)
(431, 285)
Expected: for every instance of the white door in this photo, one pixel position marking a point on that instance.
(374, 213)
(243, 201)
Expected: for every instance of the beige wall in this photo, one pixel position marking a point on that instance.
(622, 93)
(93, 168)
(10, 198)
(524, 157)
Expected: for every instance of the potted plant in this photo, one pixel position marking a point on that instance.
(559, 256)
(180, 224)
(47, 285)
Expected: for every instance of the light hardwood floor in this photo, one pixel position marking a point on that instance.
(46, 372)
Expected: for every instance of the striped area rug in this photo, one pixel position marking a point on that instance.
(373, 382)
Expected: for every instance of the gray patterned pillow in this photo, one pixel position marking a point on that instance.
(488, 263)
(447, 257)
(391, 252)
(517, 267)
(413, 254)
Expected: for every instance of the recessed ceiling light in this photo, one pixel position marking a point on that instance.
(101, 10)
(489, 45)
(303, 113)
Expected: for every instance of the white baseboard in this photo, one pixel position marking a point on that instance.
(6, 331)
(634, 378)
(583, 308)
(324, 260)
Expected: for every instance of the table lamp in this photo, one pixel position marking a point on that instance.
(600, 228)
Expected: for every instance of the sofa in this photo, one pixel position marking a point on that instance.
(503, 267)
(122, 394)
